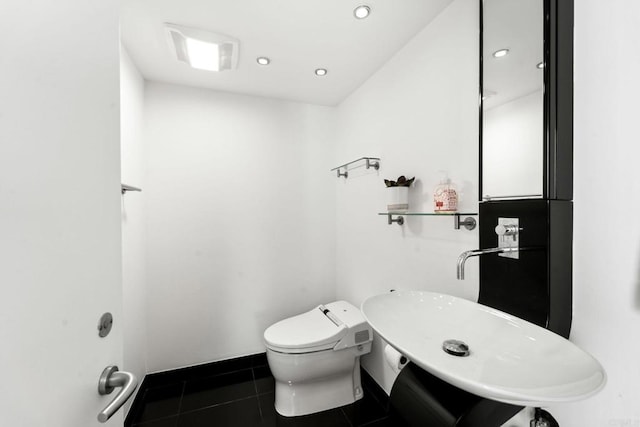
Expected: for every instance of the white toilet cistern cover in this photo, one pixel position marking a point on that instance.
(318, 329)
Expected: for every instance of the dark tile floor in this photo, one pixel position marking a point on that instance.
(240, 393)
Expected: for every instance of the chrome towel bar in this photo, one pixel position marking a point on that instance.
(370, 162)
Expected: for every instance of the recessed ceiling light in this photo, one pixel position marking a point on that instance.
(361, 12)
(540, 65)
(263, 60)
(202, 49)
(321, 72)
(500, 53)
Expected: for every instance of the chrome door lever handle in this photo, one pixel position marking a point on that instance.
(110, 379)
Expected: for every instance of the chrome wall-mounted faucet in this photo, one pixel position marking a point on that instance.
(508, 231)
(477, 252)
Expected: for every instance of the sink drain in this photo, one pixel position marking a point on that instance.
(456, 348)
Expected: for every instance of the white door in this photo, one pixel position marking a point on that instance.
(60, 264)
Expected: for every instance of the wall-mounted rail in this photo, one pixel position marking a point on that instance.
(125, 188)
(370, 162)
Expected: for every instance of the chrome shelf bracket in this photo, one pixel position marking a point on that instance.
(370, 164)
(399, 220)
(469, 222)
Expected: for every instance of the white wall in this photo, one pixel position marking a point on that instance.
(59, 209)
(132, 155)
(512, 147)
(606, 262)
(240, 220)
(419, 113)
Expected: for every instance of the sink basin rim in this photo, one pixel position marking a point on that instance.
(525, 396)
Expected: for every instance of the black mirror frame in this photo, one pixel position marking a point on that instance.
(558, 100)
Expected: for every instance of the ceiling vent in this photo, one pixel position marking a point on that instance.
(201, 49)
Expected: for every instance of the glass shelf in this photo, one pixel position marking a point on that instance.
(468, 222)
(429, 213)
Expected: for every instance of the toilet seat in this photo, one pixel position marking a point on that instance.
(307, 332)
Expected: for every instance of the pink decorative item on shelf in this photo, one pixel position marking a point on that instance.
(445, 197)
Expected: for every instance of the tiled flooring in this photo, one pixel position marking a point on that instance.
(239, 393)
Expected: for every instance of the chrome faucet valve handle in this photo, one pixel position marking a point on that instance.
(508, 227)
(507, 230)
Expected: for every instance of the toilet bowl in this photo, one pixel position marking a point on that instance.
(315, 358)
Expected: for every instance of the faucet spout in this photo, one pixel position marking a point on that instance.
(464, 256)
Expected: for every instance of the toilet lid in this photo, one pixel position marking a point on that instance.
(310, 331)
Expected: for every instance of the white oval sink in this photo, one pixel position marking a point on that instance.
(511, 360)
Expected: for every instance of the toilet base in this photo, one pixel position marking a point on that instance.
(317, 396)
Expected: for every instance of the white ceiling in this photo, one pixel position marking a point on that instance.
(297, 35)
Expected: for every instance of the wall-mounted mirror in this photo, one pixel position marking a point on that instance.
(512, 116)
(526, 109)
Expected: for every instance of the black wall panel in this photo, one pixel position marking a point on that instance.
(537, 286)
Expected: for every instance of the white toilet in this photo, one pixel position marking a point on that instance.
(315, 358)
